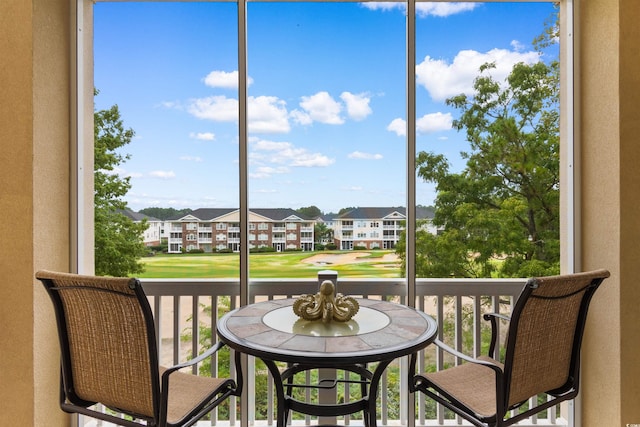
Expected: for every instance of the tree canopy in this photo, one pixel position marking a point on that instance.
(165, 213)
(310, 211)
(118, 239)
(499, 216)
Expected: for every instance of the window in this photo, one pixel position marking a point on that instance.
(336, 133)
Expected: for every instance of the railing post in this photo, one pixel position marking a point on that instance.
(327, 395)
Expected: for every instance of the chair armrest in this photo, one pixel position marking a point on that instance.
(210, 352)
(493, 318)
(467, 358)
(416, 381)
(489, 316)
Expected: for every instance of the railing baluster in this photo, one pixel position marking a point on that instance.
(165, 293)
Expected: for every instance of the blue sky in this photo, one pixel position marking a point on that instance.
(326, 95)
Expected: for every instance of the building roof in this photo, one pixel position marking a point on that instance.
(136, 216)
(275, 214)
(422, 212)
(205, 214)
(279, 214)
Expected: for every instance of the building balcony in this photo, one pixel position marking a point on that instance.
(456, 304)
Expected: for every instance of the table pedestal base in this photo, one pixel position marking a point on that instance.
(369, 385)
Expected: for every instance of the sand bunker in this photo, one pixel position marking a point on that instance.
(348, 258)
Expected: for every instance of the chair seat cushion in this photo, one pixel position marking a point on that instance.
(471, 384)
(187, 391)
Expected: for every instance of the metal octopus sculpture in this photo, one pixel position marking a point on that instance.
(326, 305)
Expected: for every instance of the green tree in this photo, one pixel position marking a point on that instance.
(310, 211)
(320, 231)
(118, 240)
(165, 213)
(500, 215)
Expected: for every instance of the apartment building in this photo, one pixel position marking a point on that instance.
(376, 227)
(215, 229)
(152, 236)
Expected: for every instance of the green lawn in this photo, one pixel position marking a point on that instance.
(267, 265)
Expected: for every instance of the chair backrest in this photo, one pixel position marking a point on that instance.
(545, 335)
(107, 340)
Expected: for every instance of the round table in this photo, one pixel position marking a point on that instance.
(380, 332)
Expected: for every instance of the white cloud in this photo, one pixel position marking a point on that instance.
(162, 174)
(203, 136)
(285, 153)
(443, 9)
(517, 46)
(434, 122)
(301, 118)
(444, 80)
(399, 126)
(322, 108)
(357, 105)
(268, 171)
(425, 9)
(170, 104)
(365, 156)
(217, 108)
(353, 188)
(191, 159)
(268, 114)
(225, 80)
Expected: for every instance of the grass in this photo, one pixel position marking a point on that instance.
(284, 265)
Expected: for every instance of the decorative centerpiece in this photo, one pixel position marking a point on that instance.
(326, 305)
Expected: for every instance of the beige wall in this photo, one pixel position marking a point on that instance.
(34, 172)
(34, 159)
(610, 113)
(630, 209)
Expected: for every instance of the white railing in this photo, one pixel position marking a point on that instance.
(456, 304)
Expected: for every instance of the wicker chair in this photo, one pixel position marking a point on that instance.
(542, 355)
(109, 356)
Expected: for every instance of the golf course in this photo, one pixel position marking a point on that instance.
(376, 263)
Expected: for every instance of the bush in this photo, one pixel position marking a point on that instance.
(331, 247)
(196, 251)
(158, 248)
(224, 251)
(262, 249)
(359, 248)
(319, 247)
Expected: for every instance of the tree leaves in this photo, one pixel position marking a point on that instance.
(118, 242)
(500, 215)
